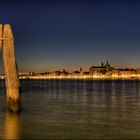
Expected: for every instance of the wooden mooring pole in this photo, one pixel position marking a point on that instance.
(10, 68)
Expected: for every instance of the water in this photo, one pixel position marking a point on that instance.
(74, 109)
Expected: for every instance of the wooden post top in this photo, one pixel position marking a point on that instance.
(6, 32)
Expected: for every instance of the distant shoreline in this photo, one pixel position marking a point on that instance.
(75, 78)
(79, 79)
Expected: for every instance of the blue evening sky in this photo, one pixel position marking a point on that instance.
(52, 35)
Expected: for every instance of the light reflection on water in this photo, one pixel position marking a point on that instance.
(11, 126)
(74, 109)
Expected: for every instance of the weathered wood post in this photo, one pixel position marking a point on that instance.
(10, 69)
(0, 36)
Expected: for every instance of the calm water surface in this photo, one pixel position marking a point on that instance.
(73, 109)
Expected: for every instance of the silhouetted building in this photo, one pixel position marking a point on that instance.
(101, 69)
(75, 73)
(81, 71)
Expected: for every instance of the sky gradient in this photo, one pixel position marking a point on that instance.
(52, 35)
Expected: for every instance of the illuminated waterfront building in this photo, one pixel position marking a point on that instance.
(127, 72)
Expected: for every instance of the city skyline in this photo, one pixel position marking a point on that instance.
(52, 35)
